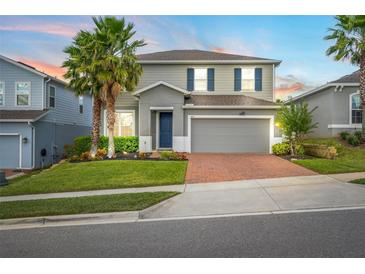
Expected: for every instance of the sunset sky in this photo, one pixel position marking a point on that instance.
(296, 40)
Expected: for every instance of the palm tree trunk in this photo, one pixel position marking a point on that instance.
(110, 107)
(362, 90)
(96, 125)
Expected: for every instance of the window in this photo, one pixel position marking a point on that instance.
(201, 79)
(124, 123)
(2, 88)
(52, 97)
(22, 91)
(248, 79)
(356, 111)
(81, 104)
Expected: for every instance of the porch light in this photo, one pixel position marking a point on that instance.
(25, 140)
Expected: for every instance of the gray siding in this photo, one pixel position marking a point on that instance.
(66, 109)
(332, 108)
(9, 74)
(224, 78)
(26, 131)
(161, 96)
(53, 137)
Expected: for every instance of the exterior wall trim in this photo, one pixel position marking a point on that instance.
(229, 107)
(136, 93)
(276, 62)
(161, 108)
(20, 145)
(343, 126)
(272, 139)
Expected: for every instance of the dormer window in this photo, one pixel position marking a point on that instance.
(22, 91)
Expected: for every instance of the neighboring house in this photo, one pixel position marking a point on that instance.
(201, 101)
(337, 106)
(38, 116)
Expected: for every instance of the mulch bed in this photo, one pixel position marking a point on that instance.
(298, 157)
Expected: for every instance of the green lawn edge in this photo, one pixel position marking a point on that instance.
(83, 205)
(358, 181)
(97, 175)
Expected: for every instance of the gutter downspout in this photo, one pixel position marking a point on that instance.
(33, 144)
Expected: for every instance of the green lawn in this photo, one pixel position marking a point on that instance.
(350, 159)
(98, 175)
(359, 181)
(79, 205)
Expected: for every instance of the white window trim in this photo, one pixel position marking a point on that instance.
(49, 96)
(206, 88)
(350, 110)
(16, 94)
(272, 139)
(3, 104)
(121, 111)
(254, 79)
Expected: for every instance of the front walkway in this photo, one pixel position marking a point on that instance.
(217, 167)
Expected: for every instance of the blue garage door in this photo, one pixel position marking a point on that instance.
(9, 151)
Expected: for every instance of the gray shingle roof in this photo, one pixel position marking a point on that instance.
(351, 78)
(26, 115)
(183, 55)
(227, 100)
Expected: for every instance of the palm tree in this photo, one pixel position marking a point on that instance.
(349, 36)
(83, 77)
(116, 64)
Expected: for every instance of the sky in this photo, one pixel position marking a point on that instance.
(296, 40)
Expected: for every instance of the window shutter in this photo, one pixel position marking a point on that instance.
(190, 79)
(210, 79)
(258, 79)
(237, 79)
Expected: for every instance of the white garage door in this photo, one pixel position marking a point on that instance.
(230, 135)
(9, 151)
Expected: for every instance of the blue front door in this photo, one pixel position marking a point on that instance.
(165, 129)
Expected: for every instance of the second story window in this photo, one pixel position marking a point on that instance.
(52, 97)
(201, 79)
(81, 104)
(2, 91)
(248, 79)
(22, 91)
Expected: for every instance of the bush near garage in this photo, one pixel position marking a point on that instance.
(281, 149)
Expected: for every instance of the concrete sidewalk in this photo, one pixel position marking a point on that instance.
(264, 195)
(197, 187)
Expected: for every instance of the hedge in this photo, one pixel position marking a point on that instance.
(83, 144)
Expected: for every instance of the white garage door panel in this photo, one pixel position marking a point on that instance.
(231, 135)
(9, 151)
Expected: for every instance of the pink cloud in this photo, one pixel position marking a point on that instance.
(56, 29)
(49, 69)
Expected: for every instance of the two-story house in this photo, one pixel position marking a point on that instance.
(38, 116)
(201, 101)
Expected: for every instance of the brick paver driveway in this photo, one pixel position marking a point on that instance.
(212, 167)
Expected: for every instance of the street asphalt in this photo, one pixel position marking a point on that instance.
(338, 233)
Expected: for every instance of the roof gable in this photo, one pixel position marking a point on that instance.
(136, 93)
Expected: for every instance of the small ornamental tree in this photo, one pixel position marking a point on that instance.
(295, 121)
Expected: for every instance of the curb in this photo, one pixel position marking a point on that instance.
(77, 219)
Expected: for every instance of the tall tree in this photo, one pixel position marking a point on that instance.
(116, 63)
(82, 73)
(349, 37)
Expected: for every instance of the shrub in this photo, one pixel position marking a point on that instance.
(299, 149)
(353, 140)
(85, 156)
(358, 134)
(281, 149)
(344, 135)
(82, 144)
(173, 155)
(69, 151)
(122, 144)
(100, 153)
(74, 158)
